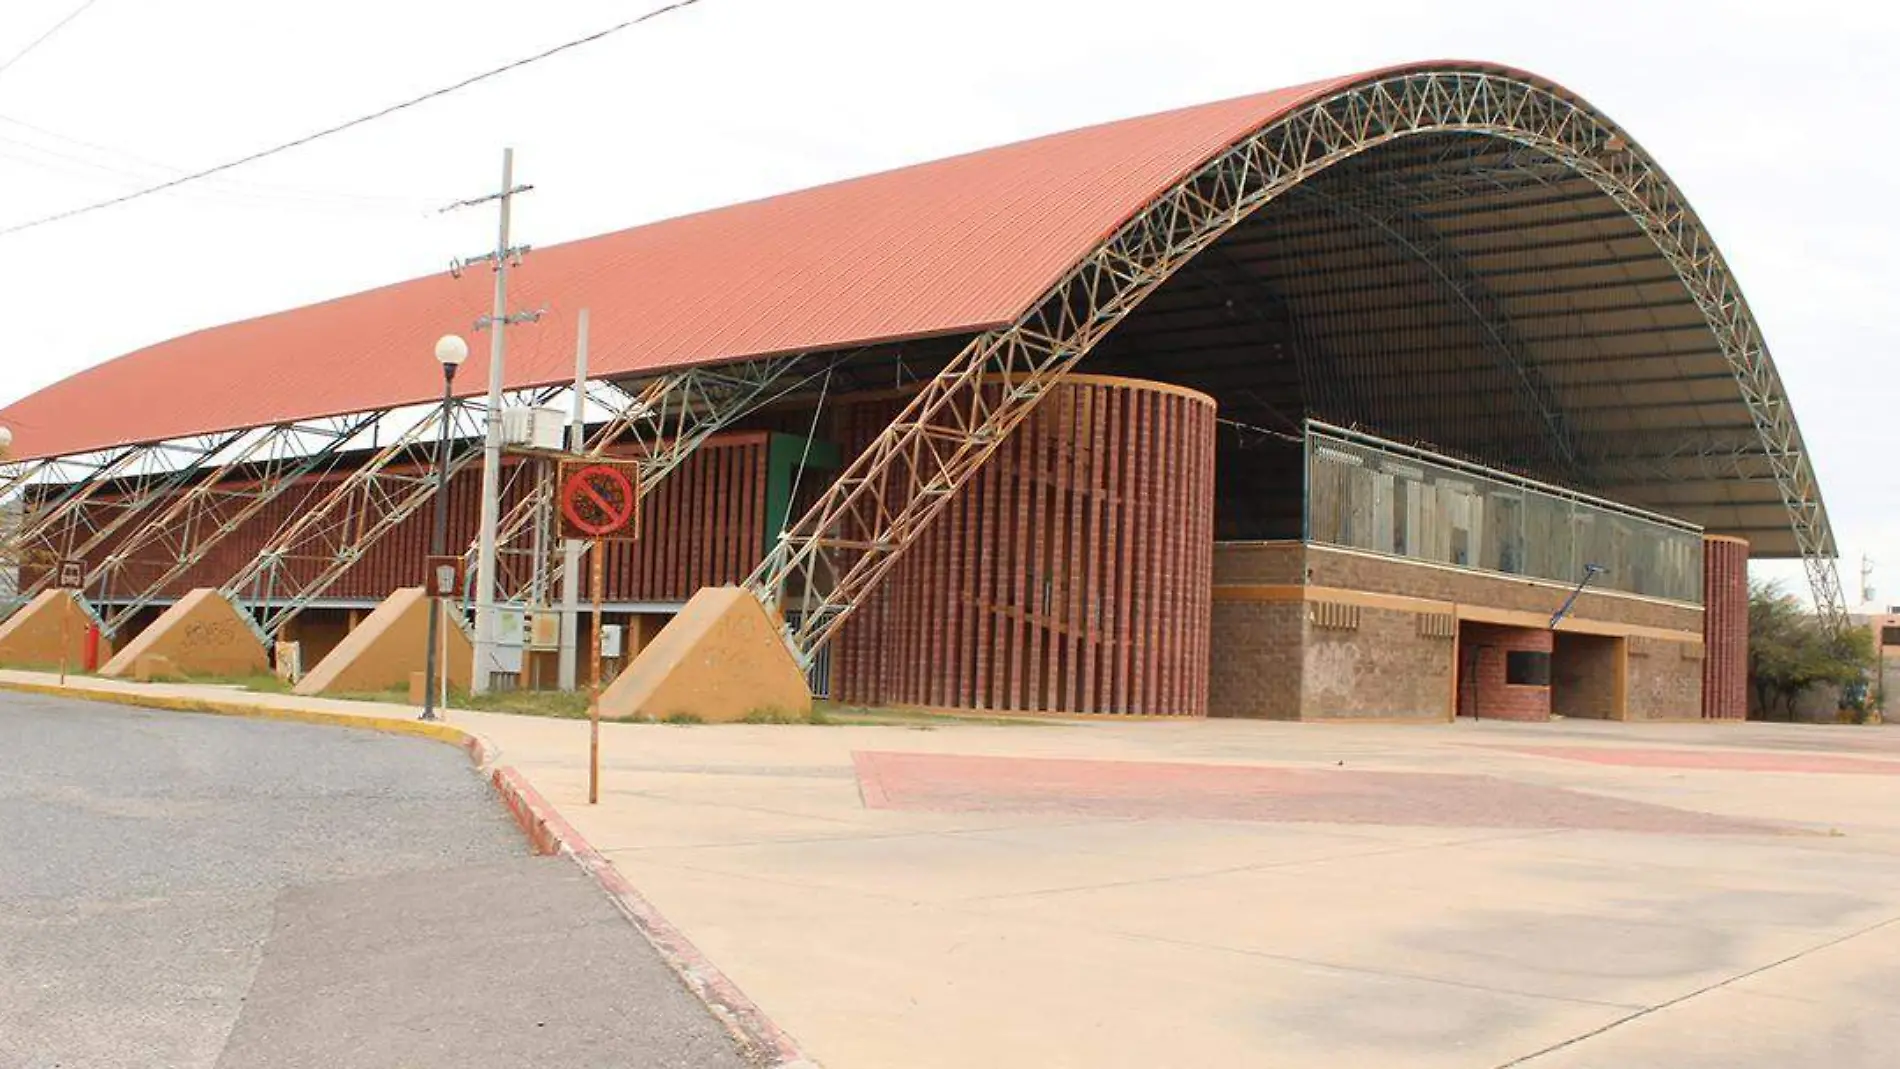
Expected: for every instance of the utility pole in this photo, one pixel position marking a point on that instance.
(571, 548)
(498, 320)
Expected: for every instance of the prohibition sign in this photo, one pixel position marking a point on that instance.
(598, 500)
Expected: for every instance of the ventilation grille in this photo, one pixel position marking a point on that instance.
(1333, 615)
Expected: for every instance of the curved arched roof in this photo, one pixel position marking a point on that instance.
(956, 245)
(951, 247)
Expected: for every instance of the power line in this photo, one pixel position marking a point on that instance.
(227, 187)
(41, 39)
(350, 124)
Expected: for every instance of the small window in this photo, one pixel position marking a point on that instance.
(1527, 668)
(1890, 636)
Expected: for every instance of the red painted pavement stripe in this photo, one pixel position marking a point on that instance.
(1714, 760)
(1182, 791)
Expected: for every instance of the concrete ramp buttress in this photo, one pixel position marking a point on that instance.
(720, 659)
(31, 637)
(381, 652)
(202, 634)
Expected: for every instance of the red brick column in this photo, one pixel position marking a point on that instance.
(1724, 628)
(1483, 651)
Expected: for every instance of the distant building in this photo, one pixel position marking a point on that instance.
(1886, 628)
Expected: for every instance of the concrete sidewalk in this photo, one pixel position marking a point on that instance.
(1110, 894)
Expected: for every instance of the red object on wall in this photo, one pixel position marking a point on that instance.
(1724, 628)
(1071, 574)
(1483, 658)
(91, 656)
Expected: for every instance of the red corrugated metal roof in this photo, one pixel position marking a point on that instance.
(956, 245)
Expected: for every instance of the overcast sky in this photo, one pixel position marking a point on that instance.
(1774, 118)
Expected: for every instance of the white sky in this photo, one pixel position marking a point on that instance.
(1774, 118)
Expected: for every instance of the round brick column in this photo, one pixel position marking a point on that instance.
(1071, 574)
(1724, 628)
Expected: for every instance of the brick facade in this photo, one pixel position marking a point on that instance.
(1256, 668)
(1725, 628)
(1484, 689)
(1665, 679)
(1280, 651)
(1330, 567)
(1382, 668)
(1070, 575)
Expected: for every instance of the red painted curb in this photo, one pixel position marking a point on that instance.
(550, 833)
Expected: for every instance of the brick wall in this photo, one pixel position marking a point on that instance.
(1254, 670)
(1383, 666)
(1259, 563)
(1357, 571)
(1482, 688)
(1276, 655)
(1070, 574)
(1890, 684)
(1665, 679)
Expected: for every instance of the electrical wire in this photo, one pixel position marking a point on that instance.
(41, 39)
(350, 124)
(230, 187)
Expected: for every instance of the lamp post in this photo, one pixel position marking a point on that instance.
(450, 351)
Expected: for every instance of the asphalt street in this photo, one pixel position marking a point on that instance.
(196, 891)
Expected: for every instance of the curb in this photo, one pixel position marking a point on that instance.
(386, 725)
(549, 834)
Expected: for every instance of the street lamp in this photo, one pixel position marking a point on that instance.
(450, 351)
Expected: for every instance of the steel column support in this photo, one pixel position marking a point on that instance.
(665, 421)
(311, 552)
(68, 505)
(195, 521)
(834, 556)
(118, 512)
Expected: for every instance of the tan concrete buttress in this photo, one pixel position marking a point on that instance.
(203, 634)
(32, 635)
(719, 659)
(381, 652)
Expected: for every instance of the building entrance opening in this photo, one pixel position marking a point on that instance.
(1587, 676)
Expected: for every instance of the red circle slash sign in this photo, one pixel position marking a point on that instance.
(598, 500)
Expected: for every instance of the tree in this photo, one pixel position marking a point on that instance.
(1788, 653)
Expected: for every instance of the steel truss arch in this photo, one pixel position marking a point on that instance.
(834, 556)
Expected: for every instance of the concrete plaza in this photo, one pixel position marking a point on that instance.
(1243, 893)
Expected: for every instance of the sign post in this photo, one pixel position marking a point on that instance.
(443, 577)
(600, 502)
(599, 583)
(72, 578)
